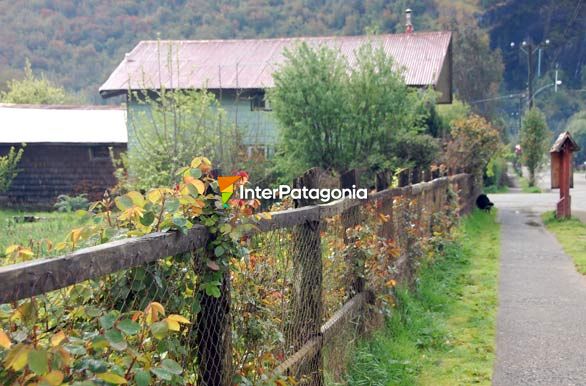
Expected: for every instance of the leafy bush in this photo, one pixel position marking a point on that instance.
(8, 168)
(67, 203)
(338, 116)
(473, 143)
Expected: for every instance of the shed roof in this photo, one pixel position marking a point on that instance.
(564, 138)
(246, 64)
(62, 124)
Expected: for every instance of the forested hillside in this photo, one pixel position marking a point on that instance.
(77, 44)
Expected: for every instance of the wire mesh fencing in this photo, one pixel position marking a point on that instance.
(314, 279)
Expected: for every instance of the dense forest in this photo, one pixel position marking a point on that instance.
(77, 43)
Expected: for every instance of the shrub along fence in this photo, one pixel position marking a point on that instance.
(315, 277)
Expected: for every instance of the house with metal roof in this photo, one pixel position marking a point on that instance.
(66, 151)
(239, 71)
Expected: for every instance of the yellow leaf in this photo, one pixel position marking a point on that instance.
(391, 283)
(172, 325)
(17, 358)
(155, 196)
(60, 246)
(136, 197)
(179, 318)
(5, 340)
(196, 162)
(75, 234)
(57, 338)
(11, 249)
(201, 188)
(54, 378)
(153, 310)
(112, 378)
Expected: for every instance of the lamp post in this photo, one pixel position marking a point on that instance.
(530, 49)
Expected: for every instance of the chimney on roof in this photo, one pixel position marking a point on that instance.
(408, 25)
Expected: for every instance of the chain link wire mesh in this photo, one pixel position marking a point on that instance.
(292, 309)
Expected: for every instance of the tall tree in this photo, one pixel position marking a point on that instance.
(535, 137)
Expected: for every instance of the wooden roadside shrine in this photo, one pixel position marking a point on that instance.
(561, 172)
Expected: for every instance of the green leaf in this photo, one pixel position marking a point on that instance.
(162, 373)
(172, 366)
(160, 329)
(219, 251)
(108, 320)
(128, 327)
(99, 343)
(195, 172)
(96, 366)
(172, 205)
(123, 202)
(38, 361)
(142, 378)
(147, 218)
(116, 340)
(180, 221)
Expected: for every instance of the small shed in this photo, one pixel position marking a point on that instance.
(67, 151)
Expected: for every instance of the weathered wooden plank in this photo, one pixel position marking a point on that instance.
(328, 331)
(35, 277)
(289, 218)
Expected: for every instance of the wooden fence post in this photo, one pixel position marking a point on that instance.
(350, 218)
(386, 206)
(306, 309)
(404, 177)
(214, 335)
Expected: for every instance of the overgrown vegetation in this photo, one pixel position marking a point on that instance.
(90, 333)
(443, 332)
(571, 233)
(167, 130)
(9, 167)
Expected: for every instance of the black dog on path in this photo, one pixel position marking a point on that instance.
(483, 203)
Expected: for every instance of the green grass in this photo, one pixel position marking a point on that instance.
(571, 233)
(53, 226)
(525, 188)
(443, 332)
(495, 189)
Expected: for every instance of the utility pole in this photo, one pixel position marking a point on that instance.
(530, 49)
(530, 73)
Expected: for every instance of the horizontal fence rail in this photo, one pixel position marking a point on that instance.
(301, 248)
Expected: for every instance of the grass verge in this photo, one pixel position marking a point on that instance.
(525, 188)
(491, 189)
(571, 233)
(53, 226)
(443, 332)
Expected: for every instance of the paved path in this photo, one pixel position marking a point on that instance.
(541, 322)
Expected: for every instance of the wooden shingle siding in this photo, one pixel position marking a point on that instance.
(48, 170)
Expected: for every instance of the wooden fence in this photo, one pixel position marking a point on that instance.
(24, 280)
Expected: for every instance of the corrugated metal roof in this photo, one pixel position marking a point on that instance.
(234, 64)
(62, 124)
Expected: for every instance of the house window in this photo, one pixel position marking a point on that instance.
(99, 153)
(257, 152)
(259, 102)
